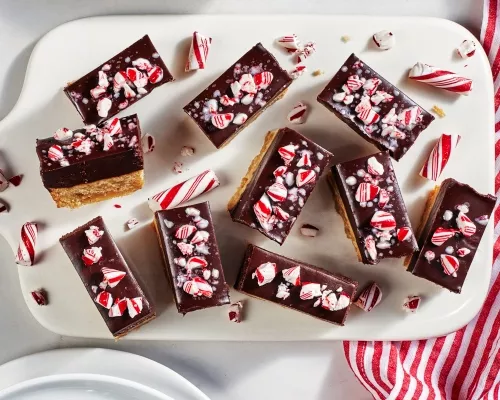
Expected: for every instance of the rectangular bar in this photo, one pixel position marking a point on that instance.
(278, 183)
(92, 164)
(296, 285)
(239, 95)
(453, 224)
(112, 284)
(367, 197)
(374, 108)
(192, 260)
(119, 82)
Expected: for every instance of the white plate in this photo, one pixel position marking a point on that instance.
(92, 374)
(73, 49)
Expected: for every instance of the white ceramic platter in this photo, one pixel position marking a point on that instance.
(92, 374)
(73, 49)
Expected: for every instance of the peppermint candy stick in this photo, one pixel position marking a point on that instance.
(439, 156)
(184, 191)
(200, 45)
(441, 78)
(26, 250)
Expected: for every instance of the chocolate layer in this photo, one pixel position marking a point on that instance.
(85, 164)
(395, 121)
(255, 62)
(192, 260)
(74, 244)
(143, 70)
(452, 199)
(328, 299)
(372, 180)
(308, 158)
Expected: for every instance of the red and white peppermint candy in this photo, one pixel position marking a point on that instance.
(297, 71)
(287, 153)
(27, 244)
(148, 143)
(93, 234)
(227, 101)
(212, 106)
(134, 306)
(63, 134)
(281, 214)
(462, 252)
(409, 117)
(366, 192)
(104, 299)
(103, 107)
(114, 127)
(280, 171)
(292, 275)
(363, 105)
(119, 80)
(370, 247)
(200, 237)
(381, 97)
(184, 191)
(298, 114)
(290, 42)
(328, 300)
(55, 153)
(441, 235)
(263, 212)
(305, 176)
(118, 309)
(222, 121)
(441, 78)
(404, 233)
(466, 49)
(142, 63)
(132, 223)
(353, 84)
(107, 142)
(371, 86)
(192, 287)
(343, 301)
(369, 117)
(92, 255)
(429, 255)
(40, 297)
(263, 80)
(240, 119)
(384, 40)
(374, 166)
(483, 220)
(390, 118)
(383, 221)
(265, 273)
(247, 84)
(112, 276)
(196, 262)
(83, 146)
(138, 78)
(198, 53)
(411, 304)
(128, 91)
(155, 74)
(185, 248)
(234, 312)
(343, 97)
(277, 192)
(307, 51)
(465, 225)
(369, 298)
(184, 231)
(450, 264)
(247, 99)
(310, 290)
(439, 156)
(305, 159)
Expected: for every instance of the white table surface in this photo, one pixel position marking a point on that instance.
(222, 370)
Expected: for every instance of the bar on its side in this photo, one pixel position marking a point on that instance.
(296, 285)
(119, 82)
(278, 183)
(192, 260)
(110, 282)
(239, 95)
(374, 108)
(368, 198)
(92, 164)
(453, 224)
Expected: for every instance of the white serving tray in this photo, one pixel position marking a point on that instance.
(75, 48)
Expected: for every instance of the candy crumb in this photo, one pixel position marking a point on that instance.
(439, 111)
(132, 223)
(318, 72)
(309, 230)
(345, 38)
(187, 151)
(40, 297)
(177, 168)
(117, 206)
(235, 312)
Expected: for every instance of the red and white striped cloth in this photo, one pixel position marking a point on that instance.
(463, 365)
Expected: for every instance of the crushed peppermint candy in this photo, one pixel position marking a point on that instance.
(187, 151)
(40, 297)
(298, 114)
(235, 312)
(132, 223)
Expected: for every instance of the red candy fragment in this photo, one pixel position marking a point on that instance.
(40, 297)
(235, 312)
(411, 304)
(112, 276)
(155, 74)
(185, 231)
(263, 79)
(196, 262)
(16, 180)
(26, 251)
(185, 248)
(292, 275)
(222, 121)
(279, 171)
(118, 309)
(148, 143)
(277, 192)
(92, 255)
(265, 273)
(263, 212)
(441, 235)
(383, 221)
(298, 114)
(304, 177)
(374, 166)
(280, 213)
(463, 252)
(465, 225)
(287, 153)
(450, 264)
(404, 233)
(370, 297)
(55, 153)
(104, 299)
(134, 306)
(198, 287)
(366, 192)
(383, 198)
(310, 290)
(200, 237)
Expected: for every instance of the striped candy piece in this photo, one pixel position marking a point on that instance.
(298, 114)
(287, 153)
(27, 244)
(310, 290)
(112, 276)
(200, 45)
(441, 78)
(184, 231)
(292, 275)
(366, 192)
(441, 235)
(465, 225)
(450, 264)
(184, 191)
(353, 84)
(439, 156)
(134, 306)
(370, 297)
(290, 42)
(265, 273)
(383, 221)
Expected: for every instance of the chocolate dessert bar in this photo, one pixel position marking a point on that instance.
(374, 108)
(108, 279)
(453, 224)
(192, 260)
(278, 183)
(119, 82)
(92, 164)
(296, 285)
(368, 199)
(239, 95)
